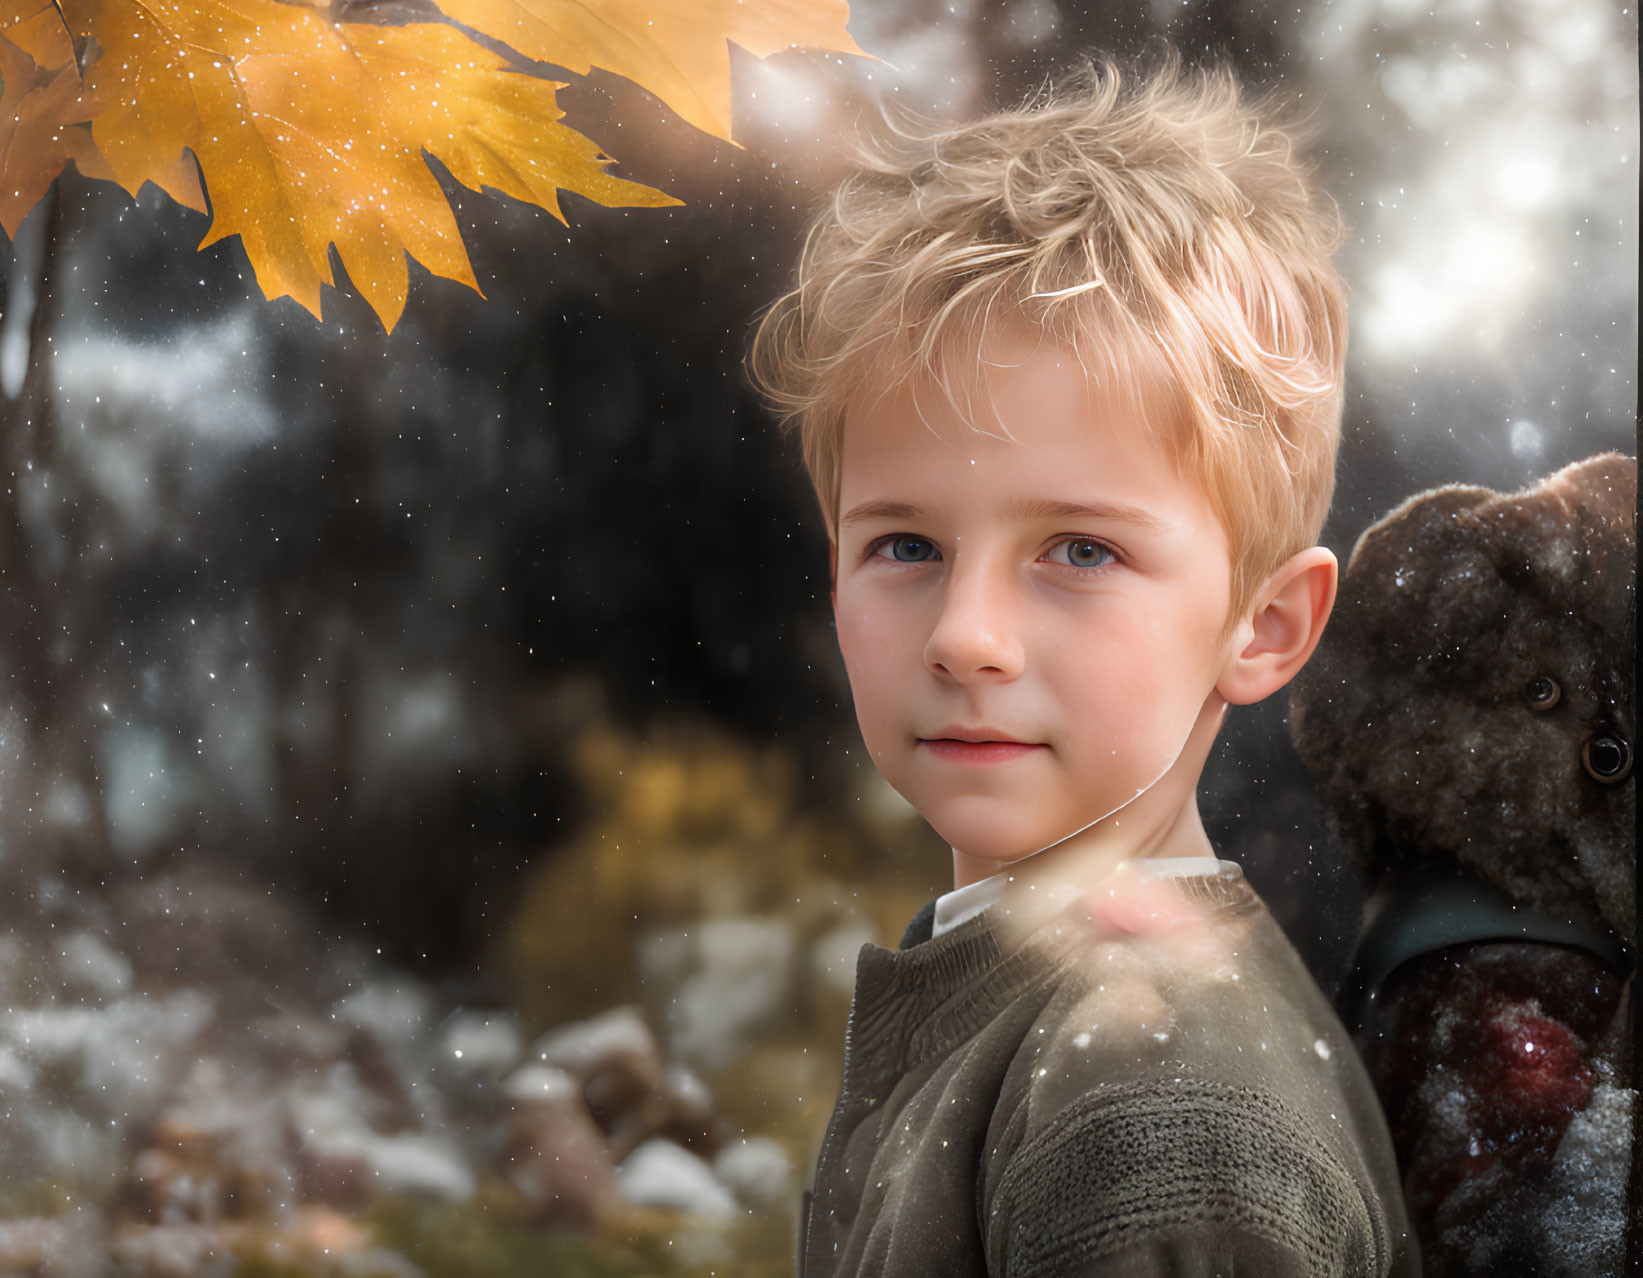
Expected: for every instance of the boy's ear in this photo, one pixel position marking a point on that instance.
(1283, 628)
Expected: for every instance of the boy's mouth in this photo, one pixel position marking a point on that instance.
(977, 745)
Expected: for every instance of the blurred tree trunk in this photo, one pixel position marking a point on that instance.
(51, 756)
(316, 642)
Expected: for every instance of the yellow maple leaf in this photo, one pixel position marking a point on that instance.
(310, 133)
(674, 49)
(37, 109)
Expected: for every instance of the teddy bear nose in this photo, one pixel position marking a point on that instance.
(1607, 757)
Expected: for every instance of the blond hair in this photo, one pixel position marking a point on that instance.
(1162, 226)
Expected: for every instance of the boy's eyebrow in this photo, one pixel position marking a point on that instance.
(1037, 508)
(1042, 508)
(881, 510)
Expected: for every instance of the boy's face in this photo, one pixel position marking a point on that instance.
(1030, 627)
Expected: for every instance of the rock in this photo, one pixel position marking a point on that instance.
(692, 1117)
(56, 1142)
(542, 1085)
(583, 1047)
(724, 985)
(51, 1037)
(834, 953)
(219, 1149)
(16, 1075)
(759, 1171)
(478, 1046)
(556, 1157)
(401, 1097)
(396, 1012)
(661, 1174)
(342, 1150)
(617, 1061)
(134, 1049)
(90, 968)
(426, 1165)
(180, 1181)
(69, 1246)
(173, 1251)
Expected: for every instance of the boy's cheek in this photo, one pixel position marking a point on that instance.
(870, 642)
(873, 702)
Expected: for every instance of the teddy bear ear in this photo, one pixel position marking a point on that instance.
(1399, 537)
(1601, 493)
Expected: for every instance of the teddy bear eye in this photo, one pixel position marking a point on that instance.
(1542, 693)
(1608, 757)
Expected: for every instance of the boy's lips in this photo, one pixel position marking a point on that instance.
(977, 745)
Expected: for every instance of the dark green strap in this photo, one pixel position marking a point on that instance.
(922, 925)
(1408, 917)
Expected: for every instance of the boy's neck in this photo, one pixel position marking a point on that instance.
(1092, 854)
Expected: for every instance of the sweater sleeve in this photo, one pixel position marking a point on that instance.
(1179, 1179)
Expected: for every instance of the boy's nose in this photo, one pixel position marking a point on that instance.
(977, 634)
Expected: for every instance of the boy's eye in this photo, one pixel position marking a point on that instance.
(1081, 552)
(907, 550)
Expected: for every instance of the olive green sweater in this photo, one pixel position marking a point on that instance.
(1095, 1102)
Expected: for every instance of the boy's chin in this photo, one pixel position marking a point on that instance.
(999, 844)
(1002, 842)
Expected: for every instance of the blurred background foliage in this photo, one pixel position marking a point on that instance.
(377, 708)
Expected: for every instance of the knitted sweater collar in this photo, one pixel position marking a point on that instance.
(932, 993)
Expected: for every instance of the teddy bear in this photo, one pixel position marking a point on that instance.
(1469, 720)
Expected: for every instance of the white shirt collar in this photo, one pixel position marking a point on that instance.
(963, 904)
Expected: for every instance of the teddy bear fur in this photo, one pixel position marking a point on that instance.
(1413, 716)
(1469, 712)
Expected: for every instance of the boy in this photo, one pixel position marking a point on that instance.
(1069, 385)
